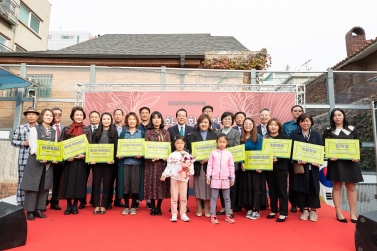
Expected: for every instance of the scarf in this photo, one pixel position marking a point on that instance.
(76, 129)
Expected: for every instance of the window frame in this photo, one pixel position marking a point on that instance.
(30, 13)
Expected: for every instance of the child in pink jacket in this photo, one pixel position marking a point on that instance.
(220, 175)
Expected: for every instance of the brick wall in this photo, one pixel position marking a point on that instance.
(7, 189)
(355, 39)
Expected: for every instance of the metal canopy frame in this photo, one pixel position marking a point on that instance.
(82, 88)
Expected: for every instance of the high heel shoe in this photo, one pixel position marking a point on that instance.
(281, 219)
(344, 220)
(271, 216)
(102, 212)
(353, 221)
(39, 214)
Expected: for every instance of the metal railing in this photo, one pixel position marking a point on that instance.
(366, 198)
(9, 11)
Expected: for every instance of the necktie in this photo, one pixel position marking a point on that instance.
(181, 131)
(264, 131)
(57, 127)
(240, 129)
(94, 128)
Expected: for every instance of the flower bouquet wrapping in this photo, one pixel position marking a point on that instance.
(186, 161)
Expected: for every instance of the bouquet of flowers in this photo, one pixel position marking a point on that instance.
(186, 162)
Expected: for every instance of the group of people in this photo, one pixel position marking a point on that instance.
(140, 179)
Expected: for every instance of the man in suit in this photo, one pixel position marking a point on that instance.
(58, 168)
(239, 118)
(181, 128)
(94, 118)
(288, 127)
(144, 113)
(208, 110)
(265, 116)
(119, 126)
(20, 139)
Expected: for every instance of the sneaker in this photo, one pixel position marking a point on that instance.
(229, 219)
(133, 211)
(255, 215)
(305, 215)
(313, 216)
(149, 205)
(185, 218)
(125, 211)
(173, 218)
(214, 220)
(248, 215)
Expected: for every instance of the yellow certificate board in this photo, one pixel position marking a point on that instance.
(160, 150)
(74, 146)
(309, 153)
(130, 147)
(202, 149)
(238, 153)
(262, 160)
(99, 153)
(280, 148)
(49, 150)
(347, 149)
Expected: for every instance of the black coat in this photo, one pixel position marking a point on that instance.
(301, 181)
(196, 137)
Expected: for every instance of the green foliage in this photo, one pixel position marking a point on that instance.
(258, 61)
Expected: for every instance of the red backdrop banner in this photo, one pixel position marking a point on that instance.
(169, 102)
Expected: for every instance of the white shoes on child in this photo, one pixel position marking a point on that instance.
(184, 218)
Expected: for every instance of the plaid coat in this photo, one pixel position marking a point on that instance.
(20, 135)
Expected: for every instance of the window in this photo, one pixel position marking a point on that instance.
(3, 44)
(3, 40)
(29, 18)
(19, 49)
(66, 37)
(44, 81)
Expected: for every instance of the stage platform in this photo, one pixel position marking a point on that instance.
(113, 231)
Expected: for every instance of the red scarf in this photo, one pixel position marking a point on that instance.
(76, 129)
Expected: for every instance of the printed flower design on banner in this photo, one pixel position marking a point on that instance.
(109, 101)
(236, 101)
(251, 103)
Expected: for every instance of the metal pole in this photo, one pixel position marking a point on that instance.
(253, 79)
(330, 90)
(163, 77)
(19, 103)
(373, 107)
(92, 76)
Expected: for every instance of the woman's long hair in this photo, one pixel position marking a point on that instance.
(332, 123)
(112, 131)
(253, 133)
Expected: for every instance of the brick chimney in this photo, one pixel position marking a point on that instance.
(355, 40)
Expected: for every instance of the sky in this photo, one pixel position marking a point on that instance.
(292, 31)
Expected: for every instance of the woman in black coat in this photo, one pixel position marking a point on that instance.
(103, 172)
(307, 184)
(277, 179)
(202, 190)
(38, 175)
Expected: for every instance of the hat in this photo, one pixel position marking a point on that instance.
(31, 110)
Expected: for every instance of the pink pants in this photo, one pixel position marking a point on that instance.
(178, 187)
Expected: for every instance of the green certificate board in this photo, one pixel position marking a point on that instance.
(99, 153)
(202, 149)
(74, 146)
(130, 147)
(160, 150)
(280, 148)
(49, 150)
(238, 153)
(309, 153)
(347, 149)
(262, 160)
